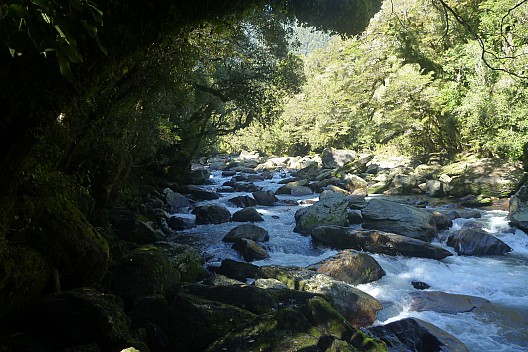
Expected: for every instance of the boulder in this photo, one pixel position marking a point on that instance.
(198, 193)
(398, 218)
(403, 184)
(299, 191)
(327, 211)
(309, 172)
(333, 158)
(250, 250)
(287, 188)
(175, 200)
(376, 242)
(442, 302)
(358, 307)
(243, 201)
(177, 223)
(351, 267)
(144, 232)
(248, 231)
(212, 214)
(518, 208)
(356, 185)
(441, 220)
(84, 315)
(187, 262)
(247, 215)
(354, 216)
(199, 176)
(474, 241)
(265, 197)
(144, 271)
(415, 335)
(237, 270)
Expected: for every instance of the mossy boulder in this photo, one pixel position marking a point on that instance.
(518, 208)
(61, 232)
(142, 272)
(24, 275)
(84, 315)
(327, 211)
(186, 261)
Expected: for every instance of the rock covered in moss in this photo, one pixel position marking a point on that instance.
(250, 250)
(327, 211)
(84, 315)
(186, 261)
(518, 208)
(144, 271)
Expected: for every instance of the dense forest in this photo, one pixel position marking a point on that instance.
(419, 80)
(102, 103)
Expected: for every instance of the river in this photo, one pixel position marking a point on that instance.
(503, 280)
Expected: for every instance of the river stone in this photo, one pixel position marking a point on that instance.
(243, 201)
(442, 302)
(376, 242)
(177, 223)
(237, 270)
(299, 191)
(358, 307)
(199, 176)
(351, 267)
(441, 220)
(399, 218)
(212, 214)
(186, 261)
(327, 211)
(403, 184)
(415, 335)
(309, 172)
(265, 197)
(356, 185)
(333, 158)
(518, 208)
(250, 250)
(474, 241)
(175, 200)
(287, 188)
(198, 193)
(354, 216)
(247, 215)
(84, 315)
(270, 284)
(248, 231)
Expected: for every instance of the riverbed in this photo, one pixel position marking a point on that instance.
(503, 280)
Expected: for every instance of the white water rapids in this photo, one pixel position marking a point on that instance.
(503, 280)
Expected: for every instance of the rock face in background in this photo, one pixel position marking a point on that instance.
(397, 218)
(327, 211)
(518, 209)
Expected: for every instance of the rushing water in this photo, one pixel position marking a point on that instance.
(503, 280)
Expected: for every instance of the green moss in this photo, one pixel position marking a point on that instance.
(363, 342)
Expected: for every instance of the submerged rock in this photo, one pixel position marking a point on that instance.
(399, 218)
(442, 302)
(376, 242)
(415, 335)
(475, 241)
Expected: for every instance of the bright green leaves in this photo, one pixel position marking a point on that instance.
(50, 26)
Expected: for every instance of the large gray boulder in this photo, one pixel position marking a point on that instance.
(250, 250)
(518, 210)
(351, 267)
(415, 335)
(333, 158)
(474, 241)
(247, 215)
(376, 242)
(399, 218)
(327, 211)
(249, 231)
(265, 197)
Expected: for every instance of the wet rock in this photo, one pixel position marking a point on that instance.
(175, 200)
(84, 315)
(243, 201)
(142, 272)
(441, 220)
(265, 197)
(376, 242)
(226, 189)
(470, 241)
(327, 211)
(248, 231)
(518, 208)
(250, 250)
(228, 173)
(356, 202)
(286, 189)
(354, 216)
(247, 215)
(351, 267)
(420, 285)
(468, 213)
(198, 193)
(212, 214)
(179, 224)
(333, 158)
(442, 302)
(246, 187)
(237, 270)
(398, 218)
(415, 335)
